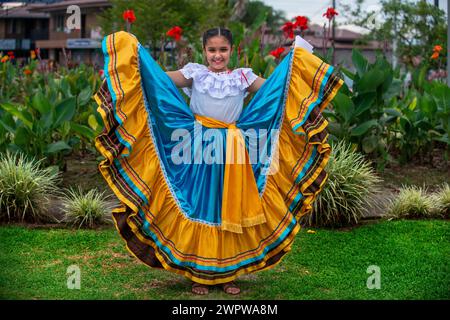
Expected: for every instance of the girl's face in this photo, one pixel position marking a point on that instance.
(217, 52)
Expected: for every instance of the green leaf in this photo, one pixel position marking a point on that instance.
(388, 119)
(369, 144)
(22, 114)
(7, 127)
(393, 90)
(428, 105)
(348, 73)
(83, 131)
(85, 96)
(364, 127)
(371, 80)
(92, 121)
(413, 104)
(364, 102)
(423, 124)
(57, 147)
(444, 138)
(388, 78)
(65, 87)
(393, 112)
(359, 61)
(41, 104)
(22, 137)
(46, 121)
(335, 129)
(270, 68)
(344, 106)
(441, 94)
(64, 111)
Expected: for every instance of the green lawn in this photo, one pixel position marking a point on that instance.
(413, 256)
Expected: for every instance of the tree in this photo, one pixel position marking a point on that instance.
(155, 17)
(257, 11)
(416, 26)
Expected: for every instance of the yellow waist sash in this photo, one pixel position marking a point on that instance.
(241, 205)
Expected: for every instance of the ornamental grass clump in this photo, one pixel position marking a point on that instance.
(348, 193)
(412, 202)
(25, 188)
(441, 201)
(85, 209)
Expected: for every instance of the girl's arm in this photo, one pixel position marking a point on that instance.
(179, 80)
(256, 84)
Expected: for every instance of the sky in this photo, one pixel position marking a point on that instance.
(314, 9)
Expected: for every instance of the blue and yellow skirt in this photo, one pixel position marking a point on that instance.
(212, 219)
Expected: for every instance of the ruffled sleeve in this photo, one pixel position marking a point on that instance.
(247, 77)
(191, 69)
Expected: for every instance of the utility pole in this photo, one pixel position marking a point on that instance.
(448, 42)
(394, 42)
(334, 34)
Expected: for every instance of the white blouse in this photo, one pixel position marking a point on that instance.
(219, 95)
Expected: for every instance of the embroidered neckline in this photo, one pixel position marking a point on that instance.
(221, 72)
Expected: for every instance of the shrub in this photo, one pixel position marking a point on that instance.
(348, 192)
(441, 200)
(412, 202)
(25, 188)
(85, 209)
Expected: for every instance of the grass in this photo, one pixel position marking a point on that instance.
(413, 256)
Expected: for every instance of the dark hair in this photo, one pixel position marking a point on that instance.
(217, 32)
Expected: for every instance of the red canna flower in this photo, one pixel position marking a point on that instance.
(10, 53)
(277, 52)
(288, 29)
(301, 22)
(128, 15)
(27, 72)
(100, 72)
(435, 55)
(437, 48)
(175, 33)
(330, 13)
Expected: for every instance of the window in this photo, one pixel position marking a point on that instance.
(14, 26)
(59, 23)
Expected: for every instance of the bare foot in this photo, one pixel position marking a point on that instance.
(199, 288)
(231, 288)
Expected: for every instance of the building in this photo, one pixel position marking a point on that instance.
(344, 41)
(68, 45)
(20, 29)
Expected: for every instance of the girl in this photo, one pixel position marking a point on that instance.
(212, 190)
